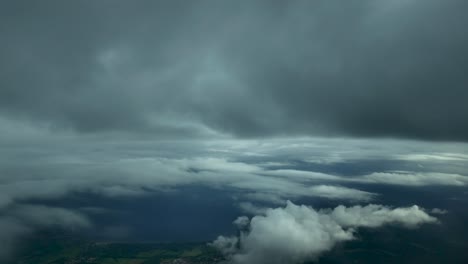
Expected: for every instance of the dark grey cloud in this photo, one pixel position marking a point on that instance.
(243, 68)
(84, 84)
(22, 220)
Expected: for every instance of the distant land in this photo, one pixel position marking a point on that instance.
(68, 250)
(403, 246)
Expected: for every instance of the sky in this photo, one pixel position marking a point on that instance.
(318, 117)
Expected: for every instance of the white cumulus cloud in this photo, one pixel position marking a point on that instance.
(297, 233)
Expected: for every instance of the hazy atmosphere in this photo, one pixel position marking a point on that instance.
(263, 132)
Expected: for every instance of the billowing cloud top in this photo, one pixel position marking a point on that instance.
(242, 68)
(295, 234)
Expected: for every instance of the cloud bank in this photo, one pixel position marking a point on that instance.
(20, 221)
(295, 234)
(254, 174)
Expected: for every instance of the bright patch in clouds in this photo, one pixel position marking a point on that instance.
(294, 234)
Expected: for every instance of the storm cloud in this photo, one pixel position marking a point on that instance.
(23, 220)
(237, 68)
(321, 103)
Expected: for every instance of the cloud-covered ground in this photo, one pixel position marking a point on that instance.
(254, 174)
(320, 103)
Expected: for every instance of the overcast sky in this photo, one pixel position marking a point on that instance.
(272, 103)
(238, 68)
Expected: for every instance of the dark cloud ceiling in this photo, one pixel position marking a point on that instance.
(246, 68)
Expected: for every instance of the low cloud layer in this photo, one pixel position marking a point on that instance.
(405, 178)
(134, 177)
(268, 171)
(295, 234)
(254, 174)
(19, 221)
